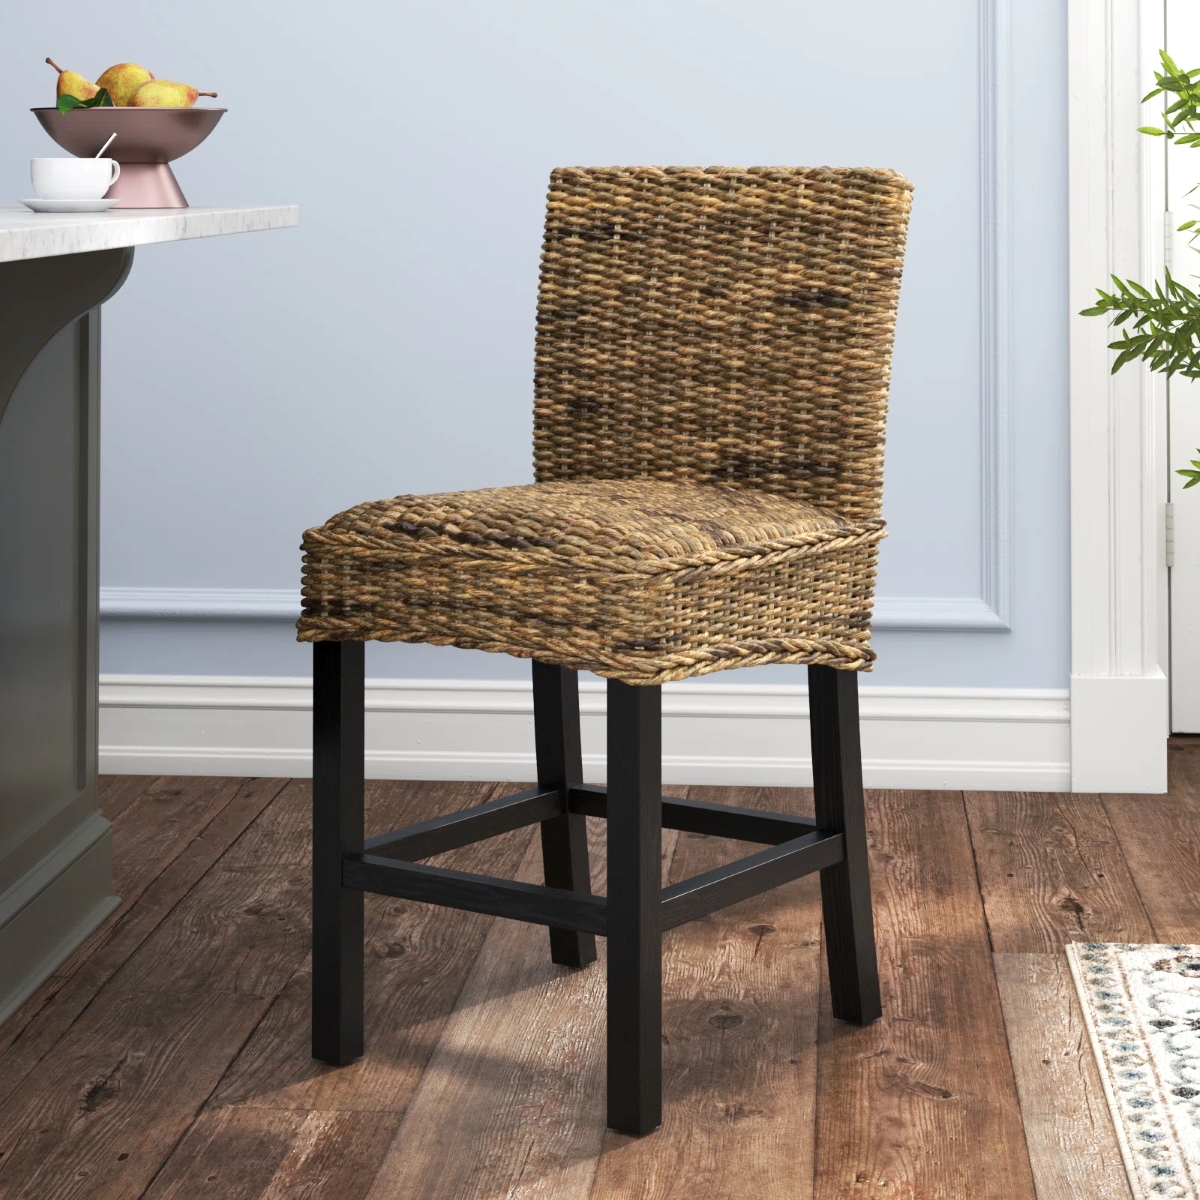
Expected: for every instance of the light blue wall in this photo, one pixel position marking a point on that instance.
(256, 385)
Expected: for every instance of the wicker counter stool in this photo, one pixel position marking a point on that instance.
(711, 373)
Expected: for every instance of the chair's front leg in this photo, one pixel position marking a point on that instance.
(559, 765)
(337, 953)
(634, 908)
(846, 886)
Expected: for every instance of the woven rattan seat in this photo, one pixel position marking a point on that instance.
(710, 388)
(640, 580)
(710, 391)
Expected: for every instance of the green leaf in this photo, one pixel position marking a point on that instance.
(1192, 477)
(1181, 114)
(100, 100)
(1161, 327)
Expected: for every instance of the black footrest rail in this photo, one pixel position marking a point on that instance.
(389, 865)
(468, 826)
(476, 893)
(695, 816)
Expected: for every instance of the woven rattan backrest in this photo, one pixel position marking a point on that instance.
(720, 325)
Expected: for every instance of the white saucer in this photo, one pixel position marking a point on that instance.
(51, 206)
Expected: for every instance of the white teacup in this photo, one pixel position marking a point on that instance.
(73, 178)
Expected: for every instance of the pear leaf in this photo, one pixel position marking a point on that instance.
(100, 100)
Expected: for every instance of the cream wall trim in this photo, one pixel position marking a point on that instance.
(995, 270)
(283, 604)
(1118, 734)
(1118, 422)
(245, 604)
(946, 614)
(464, 729)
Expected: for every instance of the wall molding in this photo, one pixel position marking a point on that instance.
(1118, 422)
(985, 739)
(283, 604)
(995, 273)
(184, 604)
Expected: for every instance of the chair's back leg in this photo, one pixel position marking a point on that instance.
(634, 908)
(337, 957)
(559, 765)
(846, 886)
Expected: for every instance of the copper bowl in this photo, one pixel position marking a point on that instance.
(147, 139)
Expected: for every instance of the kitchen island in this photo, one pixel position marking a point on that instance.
(55, 846)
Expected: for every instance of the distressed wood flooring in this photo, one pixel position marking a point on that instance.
(168, 1057)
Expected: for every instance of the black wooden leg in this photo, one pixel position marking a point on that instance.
(559, 765)
(337, 979)
(634, 908)
(846, 886)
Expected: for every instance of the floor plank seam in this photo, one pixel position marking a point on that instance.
(980, 896)
(1132, 874)
(1014, 1065)
(203, 1105)
(987, 921)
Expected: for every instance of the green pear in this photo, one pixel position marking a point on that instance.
(71, 83)
(122, 81)
(165, 93)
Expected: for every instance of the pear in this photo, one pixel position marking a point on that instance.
(71, 83)
(122, 81)
(165, 93)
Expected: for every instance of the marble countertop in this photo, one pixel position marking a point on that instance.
(26, 234)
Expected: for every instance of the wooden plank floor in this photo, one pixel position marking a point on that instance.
(168, 1057)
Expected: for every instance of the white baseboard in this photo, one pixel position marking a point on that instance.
(972, 738)
(1119, 727)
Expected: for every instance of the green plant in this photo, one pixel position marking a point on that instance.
(1184, 111)
(1192, 476)
(1162, 327)
(1166, 325)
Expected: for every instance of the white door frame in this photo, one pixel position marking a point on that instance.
(1119, 699)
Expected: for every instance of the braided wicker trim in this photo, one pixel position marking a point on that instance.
(649, 671)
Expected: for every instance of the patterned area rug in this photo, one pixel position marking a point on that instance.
(1142, 1007)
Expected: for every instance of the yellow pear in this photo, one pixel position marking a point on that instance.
(122, 81)
(71, 83)
(165, 93)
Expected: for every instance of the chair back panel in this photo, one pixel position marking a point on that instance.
(720, 325)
